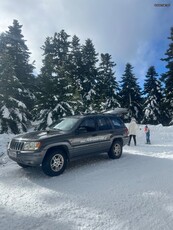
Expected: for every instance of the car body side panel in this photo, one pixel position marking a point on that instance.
(90, 143)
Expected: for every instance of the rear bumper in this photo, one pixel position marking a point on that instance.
(26, 158)
(125, 140)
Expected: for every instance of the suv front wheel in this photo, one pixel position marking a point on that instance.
(115, 151)
(54, 163)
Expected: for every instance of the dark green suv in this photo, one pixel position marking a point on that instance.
(68, 139)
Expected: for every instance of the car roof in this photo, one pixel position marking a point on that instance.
(117, 112)
(92, 115)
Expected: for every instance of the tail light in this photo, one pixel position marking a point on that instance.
(126, 131)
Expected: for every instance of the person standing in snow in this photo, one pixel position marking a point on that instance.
(133, 127)
(147, 132)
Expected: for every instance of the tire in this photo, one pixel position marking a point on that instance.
(54, 163)
(23, 166)
(115, 151)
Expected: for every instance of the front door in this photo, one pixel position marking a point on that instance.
(91, 138)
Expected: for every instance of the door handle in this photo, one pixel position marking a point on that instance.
(95, 134)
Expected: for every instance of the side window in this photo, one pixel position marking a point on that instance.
(89, 124)
(103, 123)
(117, 123)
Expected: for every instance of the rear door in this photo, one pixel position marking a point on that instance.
(104, 133)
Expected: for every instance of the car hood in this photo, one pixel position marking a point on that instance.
(39, 135)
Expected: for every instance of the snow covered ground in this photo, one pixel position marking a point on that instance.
(134, 192)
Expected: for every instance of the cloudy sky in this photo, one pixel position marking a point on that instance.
(132, 31)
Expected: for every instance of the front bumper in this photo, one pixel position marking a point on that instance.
(26, 157)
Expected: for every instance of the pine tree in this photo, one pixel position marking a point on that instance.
(19, 52)
(16, 75)
(167, 78)
(106, 90)
(153, 98)
(75, 72)
(130, 93)
(89, 75)
(55, 98)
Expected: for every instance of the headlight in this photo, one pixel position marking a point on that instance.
(31, 145)
(8, 144)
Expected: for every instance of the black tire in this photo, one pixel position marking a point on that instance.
(116, 149)
(54, 163)
(22, 165)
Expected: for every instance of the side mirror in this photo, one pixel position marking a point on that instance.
(47, 129)
(81, 129)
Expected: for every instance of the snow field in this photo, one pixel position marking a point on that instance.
(133, 192)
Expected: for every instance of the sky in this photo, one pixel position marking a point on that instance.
(133, 31)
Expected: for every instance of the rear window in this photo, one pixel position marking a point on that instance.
(117, 123)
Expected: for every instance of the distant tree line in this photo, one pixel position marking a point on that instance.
(75, 79)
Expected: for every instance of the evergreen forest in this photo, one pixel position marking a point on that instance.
(76, 79)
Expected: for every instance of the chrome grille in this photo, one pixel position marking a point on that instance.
(16, 145)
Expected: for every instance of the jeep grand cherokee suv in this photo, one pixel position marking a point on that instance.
(68, 139)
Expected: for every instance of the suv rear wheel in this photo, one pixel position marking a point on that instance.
(54, 163)
(115, 151)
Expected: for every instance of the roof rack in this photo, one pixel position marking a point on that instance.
(117, 111)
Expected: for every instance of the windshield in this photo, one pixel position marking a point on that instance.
(64, 124)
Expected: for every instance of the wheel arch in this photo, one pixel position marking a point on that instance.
(64, 148)
(119, 139)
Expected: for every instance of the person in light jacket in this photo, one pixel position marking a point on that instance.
(133, 127)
